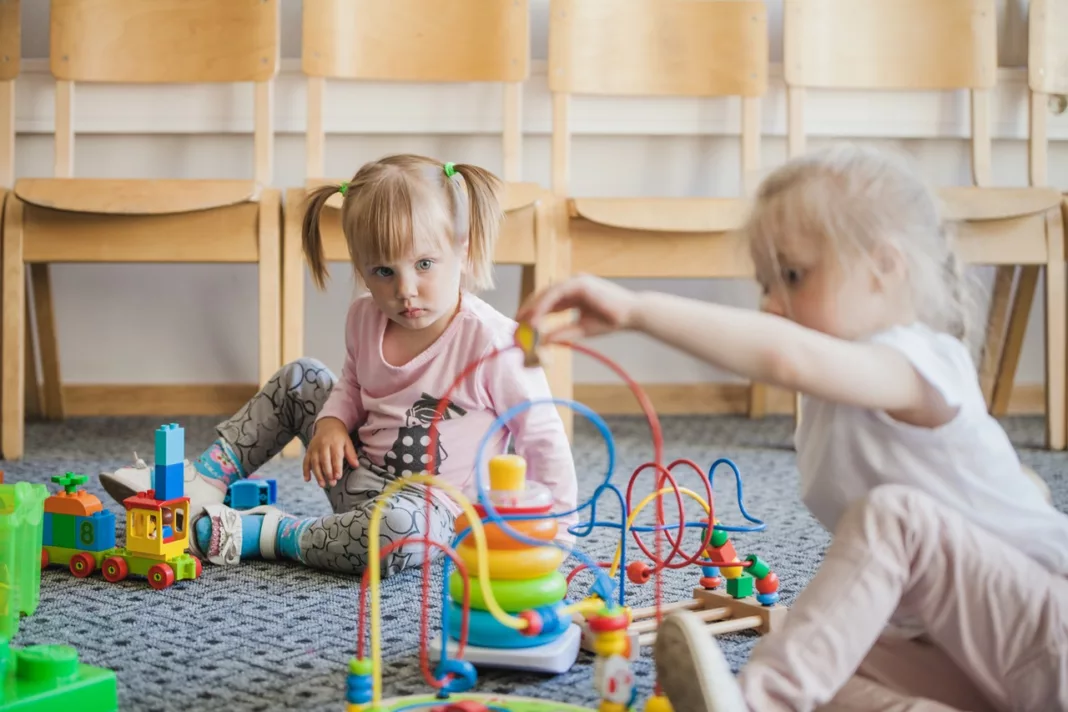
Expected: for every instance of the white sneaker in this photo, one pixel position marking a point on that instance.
(691, 668)
(128, 481)
(227, 533)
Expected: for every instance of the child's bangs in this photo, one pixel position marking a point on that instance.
(387, 229)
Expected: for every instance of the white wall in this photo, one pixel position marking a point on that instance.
(197, 324)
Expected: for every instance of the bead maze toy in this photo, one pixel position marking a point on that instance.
(79, 532)
(37, 678)
(512, 609)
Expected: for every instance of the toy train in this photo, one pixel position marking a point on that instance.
(80, 534)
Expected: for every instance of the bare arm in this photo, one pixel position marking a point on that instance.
(773, 350)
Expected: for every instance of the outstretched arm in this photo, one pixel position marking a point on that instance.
(760, 346)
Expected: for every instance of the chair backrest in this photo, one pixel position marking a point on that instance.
(658, 48)
(417, 41)
(10, 52)
(165, 42)
(1047, 70)
(892, 45)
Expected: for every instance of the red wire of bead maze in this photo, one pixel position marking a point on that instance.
(665, 474)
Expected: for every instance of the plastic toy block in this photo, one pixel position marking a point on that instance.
(169, 482)
(46, 529)
(72, 500)
(740, 587)
(170, 444)
(21, 526)
(50, 677)
(246, 494)
(63, 531)
(96, 533)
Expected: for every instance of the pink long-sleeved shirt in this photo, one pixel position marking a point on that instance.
(390, 408)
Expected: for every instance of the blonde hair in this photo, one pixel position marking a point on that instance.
(394, 203)
(854, 200)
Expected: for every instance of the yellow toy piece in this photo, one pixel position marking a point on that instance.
(508, 472)
(526, 338)
(658, 703)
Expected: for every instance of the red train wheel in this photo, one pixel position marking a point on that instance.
(160, 576)
(44, 558)
(82, 564)
(114, 569)
(200, 567)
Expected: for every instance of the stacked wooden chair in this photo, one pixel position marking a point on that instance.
(648, 48)
(83, 220)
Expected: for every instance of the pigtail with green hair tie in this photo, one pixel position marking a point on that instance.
(450, 170)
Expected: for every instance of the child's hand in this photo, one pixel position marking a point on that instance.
(603, 307)
(329, 448)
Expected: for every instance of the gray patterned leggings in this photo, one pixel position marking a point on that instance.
(285, 408)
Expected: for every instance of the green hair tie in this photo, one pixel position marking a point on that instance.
(343, 188)
(450, 169)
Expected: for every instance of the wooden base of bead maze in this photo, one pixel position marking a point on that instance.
(722, 613)
(477, 702)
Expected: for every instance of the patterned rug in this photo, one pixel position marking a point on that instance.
(268, 636)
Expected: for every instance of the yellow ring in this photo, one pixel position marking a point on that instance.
(514, 563)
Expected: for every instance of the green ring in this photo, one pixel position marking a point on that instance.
(513, 595)
(450, 169)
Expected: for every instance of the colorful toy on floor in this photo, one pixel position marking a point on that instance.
(79, 532)
(246, 494)
(497, 610)
(37, 678)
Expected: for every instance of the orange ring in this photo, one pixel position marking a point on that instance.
(513, 564)
(497, 538)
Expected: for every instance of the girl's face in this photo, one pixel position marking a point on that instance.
(841, 298)
(420, 290)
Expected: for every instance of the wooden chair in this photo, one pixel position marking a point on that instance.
(416, 41)
(657, 48)
(68, 219)
(1048, 85)
(949, 45)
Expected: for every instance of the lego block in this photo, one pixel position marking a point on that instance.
(96, 533)
(740, 587)
(169, 481)
(51, 677)
(246, 494)
(63, 531)
(170, 444)
(46, 529)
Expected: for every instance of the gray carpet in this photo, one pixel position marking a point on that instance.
(267, 636)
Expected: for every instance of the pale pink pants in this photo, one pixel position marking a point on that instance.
(996, 622)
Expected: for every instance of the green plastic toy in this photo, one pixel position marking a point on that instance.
(37, 678)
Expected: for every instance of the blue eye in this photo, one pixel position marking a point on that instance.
(382, 272)
(424, 264)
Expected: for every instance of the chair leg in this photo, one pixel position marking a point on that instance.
(1000, 300)
(12, 365)
(34, 401)
(47, 341)
(292, 292)
(758, 400)
(1014, 339)
(1056, 334)
(270, 284)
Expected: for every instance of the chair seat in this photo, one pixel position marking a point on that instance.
(133, 196)
(969, 203)
(674, 215)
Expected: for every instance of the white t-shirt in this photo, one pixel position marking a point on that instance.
(969, 463)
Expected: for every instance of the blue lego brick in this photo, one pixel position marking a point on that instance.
(246, 494)
(95, 533)
(169, 481)
(170, 444)
(46, 530)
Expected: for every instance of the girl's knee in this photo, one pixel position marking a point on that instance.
(893, 501)
(307, 369)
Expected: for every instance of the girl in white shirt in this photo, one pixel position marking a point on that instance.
(944, 586)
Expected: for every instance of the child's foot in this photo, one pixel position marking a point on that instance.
(691, 668)
(225, 536)
(206, 479)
